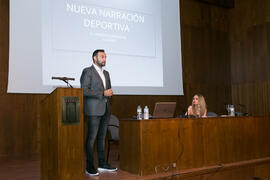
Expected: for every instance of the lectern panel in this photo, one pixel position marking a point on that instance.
(70, 110)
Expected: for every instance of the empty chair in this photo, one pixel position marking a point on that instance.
(113, 130)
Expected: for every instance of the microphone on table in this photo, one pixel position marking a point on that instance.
(245, 109)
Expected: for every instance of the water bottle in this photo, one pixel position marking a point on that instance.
(231, 110)
(139, 112)
(146, 112)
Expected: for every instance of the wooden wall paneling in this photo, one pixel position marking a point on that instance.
(18, 125)
(250, 44)
(26, 124)
(49, 138)
(220, 3)
(4, 44)
(262, 171)
(5, 141)
(6, 126)
(206, 53)
(253, 96)
(4, 32)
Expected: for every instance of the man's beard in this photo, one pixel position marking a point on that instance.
(100, 64)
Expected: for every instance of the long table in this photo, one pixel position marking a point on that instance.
(146, 145)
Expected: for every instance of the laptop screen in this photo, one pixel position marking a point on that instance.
(164, 110)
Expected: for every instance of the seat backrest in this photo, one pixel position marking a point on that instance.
(113, 128)
(211, 114)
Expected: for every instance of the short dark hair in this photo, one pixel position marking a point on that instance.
(95, 53)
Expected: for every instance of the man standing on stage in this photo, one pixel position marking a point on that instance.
(97, 90)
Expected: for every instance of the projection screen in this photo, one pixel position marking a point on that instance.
(57, 38)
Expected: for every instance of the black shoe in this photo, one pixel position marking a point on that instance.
(106, 167)
(91, 172)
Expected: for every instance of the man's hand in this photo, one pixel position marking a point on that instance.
(108, 92)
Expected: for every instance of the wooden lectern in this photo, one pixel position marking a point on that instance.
(61, 129)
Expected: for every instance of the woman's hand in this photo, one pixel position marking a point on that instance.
(189, 112)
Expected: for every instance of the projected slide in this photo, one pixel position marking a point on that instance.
(81, 26)
(130, 33)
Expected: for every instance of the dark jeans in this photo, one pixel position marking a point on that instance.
(97, 129)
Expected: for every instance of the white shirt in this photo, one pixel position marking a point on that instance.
(100, 72)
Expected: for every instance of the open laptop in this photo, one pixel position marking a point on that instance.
(164, 110)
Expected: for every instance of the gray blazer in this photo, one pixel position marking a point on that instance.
(95, 102)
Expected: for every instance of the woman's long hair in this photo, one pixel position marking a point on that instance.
(202, 105)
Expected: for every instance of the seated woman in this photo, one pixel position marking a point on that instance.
(198, 107)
